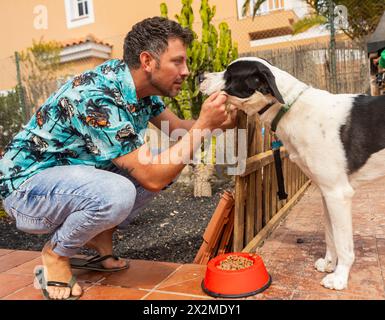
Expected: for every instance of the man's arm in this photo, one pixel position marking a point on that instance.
(156, 172)
(174, 121)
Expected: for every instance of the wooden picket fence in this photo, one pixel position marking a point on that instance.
(257, 207)
(245, 216)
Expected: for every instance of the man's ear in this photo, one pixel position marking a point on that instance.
(146, 61)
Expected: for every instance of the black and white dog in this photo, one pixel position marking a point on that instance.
(338, 140)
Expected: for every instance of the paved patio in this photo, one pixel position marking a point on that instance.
(289, 254)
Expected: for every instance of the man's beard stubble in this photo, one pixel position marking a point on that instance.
(163, 91)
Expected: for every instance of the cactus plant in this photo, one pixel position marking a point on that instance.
(213, 52)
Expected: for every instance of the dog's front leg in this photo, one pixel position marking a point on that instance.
(328, 263)
(338, 201)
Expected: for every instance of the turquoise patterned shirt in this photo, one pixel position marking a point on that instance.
(90, 120)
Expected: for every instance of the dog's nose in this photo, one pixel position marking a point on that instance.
(200, 77)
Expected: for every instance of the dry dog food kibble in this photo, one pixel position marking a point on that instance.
(234, 262)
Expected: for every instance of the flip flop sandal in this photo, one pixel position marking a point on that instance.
(95, 263)
(43, 284)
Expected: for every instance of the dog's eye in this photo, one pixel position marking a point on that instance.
(200, 77)
(264, 90)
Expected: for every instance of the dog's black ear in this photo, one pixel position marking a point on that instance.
(270, 79)
(244, 77)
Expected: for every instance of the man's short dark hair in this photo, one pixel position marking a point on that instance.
(152, 35)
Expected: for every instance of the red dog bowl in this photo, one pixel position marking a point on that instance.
(236, 283)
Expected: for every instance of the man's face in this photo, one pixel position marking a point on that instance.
(167, 75)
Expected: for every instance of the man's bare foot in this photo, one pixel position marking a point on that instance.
(58, 269)
(102, 243)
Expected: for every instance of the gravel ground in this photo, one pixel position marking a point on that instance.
(170, 228)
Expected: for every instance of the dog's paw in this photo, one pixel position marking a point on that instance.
(324, 265)
(334, 281)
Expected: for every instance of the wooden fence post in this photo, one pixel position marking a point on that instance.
(240, 196)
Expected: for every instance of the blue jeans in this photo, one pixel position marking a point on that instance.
(75, 203)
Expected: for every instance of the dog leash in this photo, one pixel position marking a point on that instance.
(276, 147)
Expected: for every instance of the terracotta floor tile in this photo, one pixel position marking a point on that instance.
(311, 281)
(141, 274)
(187, 279)
(274, 292)
(380, 246)
(306, 295)
(10, 283)
(31, 293)
(329, 295)
(366, 281)
(165, 295)
(90, 276)
(16, 258)
(5, 251)
(286, 279)
(26, 268)
(26, 293)
(100, 292)
(269, 247)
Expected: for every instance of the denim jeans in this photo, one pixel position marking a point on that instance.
(75, 203)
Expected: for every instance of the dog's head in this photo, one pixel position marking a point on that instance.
(248, 82)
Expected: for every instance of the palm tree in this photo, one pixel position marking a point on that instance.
(363, 15)
(37, 148)
(4, 190)
(62, 157)
(84, 79)
(246, 6)
(89, 146)
(106, 69)
(121, 66)
(35, 156)
(10, 146)
(116, 95)
(57, 143)
(127, 136)
(301, 25)
(67, 153)
(64, 111)
(42, 115)
(72, 131)
(1, 176)
(23, 144)
(14, 172)
(97, 116)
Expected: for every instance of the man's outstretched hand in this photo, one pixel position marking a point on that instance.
(231, 120)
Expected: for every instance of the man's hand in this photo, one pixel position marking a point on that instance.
(213, 112)
(231, 120)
